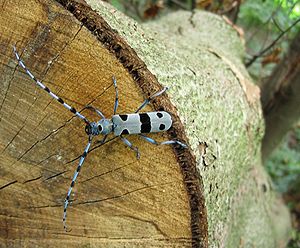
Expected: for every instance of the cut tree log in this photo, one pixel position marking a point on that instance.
(118, 198)
(75, 48)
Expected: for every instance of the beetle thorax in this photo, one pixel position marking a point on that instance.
(104, 126)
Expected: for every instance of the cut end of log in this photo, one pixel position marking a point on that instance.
(156, 201)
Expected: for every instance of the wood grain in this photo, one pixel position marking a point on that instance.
(119, 201)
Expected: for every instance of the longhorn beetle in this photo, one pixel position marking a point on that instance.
(120, 125)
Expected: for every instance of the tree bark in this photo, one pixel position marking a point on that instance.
(280, 99)
(157, 201)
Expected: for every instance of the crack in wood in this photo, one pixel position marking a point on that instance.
(55, 58)
(12, 139)
(74, 203)
(58, 129)
(125, 239)
(7, 89)
(33, 179)
(107, 172)
(8, 184)
(151, 222)
(92, 149)
(122, 195)
(55, 175)
(40, 122)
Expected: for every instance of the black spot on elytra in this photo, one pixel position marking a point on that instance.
(162, 127)
(146, 123)
(124, 131)
(124, 117)
(160, 115)
(100, 128)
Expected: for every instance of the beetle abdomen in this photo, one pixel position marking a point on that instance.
(149, 122)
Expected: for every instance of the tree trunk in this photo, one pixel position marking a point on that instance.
(158, 201)
(280, 98)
